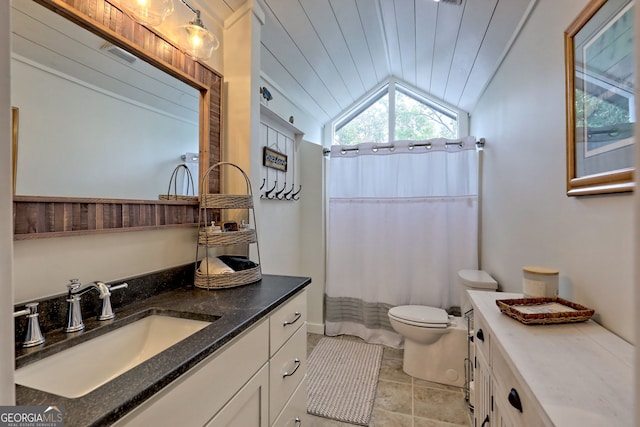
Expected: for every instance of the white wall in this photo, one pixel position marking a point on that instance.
(527, 217)
(43, 267)
(6, 216)
(284, 107)
(311, 237)
(292, 232)
(279, 219)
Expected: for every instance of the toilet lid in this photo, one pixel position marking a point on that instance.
(421, 314)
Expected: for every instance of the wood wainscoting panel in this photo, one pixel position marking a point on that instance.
(37, 217)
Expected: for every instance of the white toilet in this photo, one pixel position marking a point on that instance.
(435, 344)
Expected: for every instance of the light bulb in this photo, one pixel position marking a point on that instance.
(195, 41)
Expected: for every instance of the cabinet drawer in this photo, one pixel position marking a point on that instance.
(286, 320)
(517, 404)
(286, 370)
(481, 337)
(294, 413)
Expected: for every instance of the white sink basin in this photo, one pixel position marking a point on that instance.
(78, 370)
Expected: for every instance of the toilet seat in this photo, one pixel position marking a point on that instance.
(420, 315)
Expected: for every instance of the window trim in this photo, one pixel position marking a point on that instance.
(390, 87)
(360, 107)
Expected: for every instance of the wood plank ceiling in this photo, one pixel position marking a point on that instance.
(327, 54)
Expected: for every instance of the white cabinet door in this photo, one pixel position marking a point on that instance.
(516, 404)
(196, 396)
(249, 407)
(482, 382)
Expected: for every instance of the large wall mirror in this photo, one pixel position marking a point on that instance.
(108, 109)
(599, 49)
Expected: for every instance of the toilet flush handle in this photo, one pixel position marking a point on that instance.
(480, 335)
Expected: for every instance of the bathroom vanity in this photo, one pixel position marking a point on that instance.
(573, 374)
(247, 383)
(248, 367)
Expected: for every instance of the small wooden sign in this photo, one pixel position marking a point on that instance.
(274, 159)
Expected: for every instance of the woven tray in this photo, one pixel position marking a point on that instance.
(541, 311)
(228, 280)
(206, 237)
(226, 201)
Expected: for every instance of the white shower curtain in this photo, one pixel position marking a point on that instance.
(402, 222)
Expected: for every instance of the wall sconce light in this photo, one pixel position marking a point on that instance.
(148, 12)
(195, 39)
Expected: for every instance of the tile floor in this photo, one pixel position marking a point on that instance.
(404, 401)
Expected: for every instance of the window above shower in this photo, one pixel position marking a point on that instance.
(395, 112)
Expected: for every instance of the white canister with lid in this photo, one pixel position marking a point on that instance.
(539, 282)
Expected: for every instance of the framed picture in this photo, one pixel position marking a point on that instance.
(600, 74)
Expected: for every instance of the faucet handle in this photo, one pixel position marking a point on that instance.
(120, 286)
(107, 312)
(34, 334)
(73, 284)
(74, 313)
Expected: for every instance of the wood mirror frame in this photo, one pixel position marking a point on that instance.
(38, 217)
(613, 181)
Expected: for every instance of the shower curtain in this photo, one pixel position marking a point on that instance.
(403, 219)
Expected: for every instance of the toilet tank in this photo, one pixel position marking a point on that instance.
(477, 280)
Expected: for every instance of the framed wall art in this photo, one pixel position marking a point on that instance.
(600, 92)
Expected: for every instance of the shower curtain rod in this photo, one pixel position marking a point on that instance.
(479, 144)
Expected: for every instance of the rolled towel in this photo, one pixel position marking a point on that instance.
(238, 263)
(212, 265)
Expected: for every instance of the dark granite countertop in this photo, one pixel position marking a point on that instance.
(238, 308)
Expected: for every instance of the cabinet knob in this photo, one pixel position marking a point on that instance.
(486, 420)
(514, 399)
(298, 421)
(480, 335)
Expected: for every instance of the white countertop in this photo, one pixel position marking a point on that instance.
(580, 373)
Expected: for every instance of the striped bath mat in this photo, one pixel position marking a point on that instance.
(342, 378)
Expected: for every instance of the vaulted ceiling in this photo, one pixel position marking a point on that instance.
(327, 54)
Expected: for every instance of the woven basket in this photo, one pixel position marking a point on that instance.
(574, 313)
(174, 180)
(226, 201)
(206, 237)
(228, 280)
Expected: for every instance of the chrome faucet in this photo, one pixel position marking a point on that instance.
(33, 336)
(76, 290)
